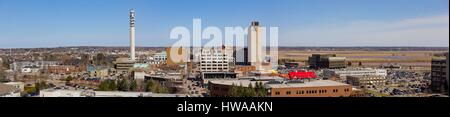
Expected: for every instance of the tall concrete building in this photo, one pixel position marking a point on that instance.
(125, 64)
(254, 43)
(132, 46)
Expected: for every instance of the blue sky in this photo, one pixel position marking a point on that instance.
(55, 23)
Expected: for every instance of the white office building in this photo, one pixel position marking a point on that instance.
(343, 73)
(216, 60)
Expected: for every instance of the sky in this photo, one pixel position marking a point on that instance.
(58, 23)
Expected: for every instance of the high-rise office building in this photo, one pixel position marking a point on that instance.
(439, 75)
(254, 43)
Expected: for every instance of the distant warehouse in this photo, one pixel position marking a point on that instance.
(326, 61)
(342, 74)
(366, 80)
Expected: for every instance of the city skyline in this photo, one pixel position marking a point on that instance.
(302, 23)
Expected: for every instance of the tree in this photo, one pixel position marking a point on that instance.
(103, 86)
(260, 90)
(133, 85)
(240, 92)
(112, 85)
(232, 92)
(149, 85)
(69, 78)
(107, 85)
(122, 85)
(40, 85)
(250, 91)
(156, 87)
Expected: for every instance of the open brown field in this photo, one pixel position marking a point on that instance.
(370, 58)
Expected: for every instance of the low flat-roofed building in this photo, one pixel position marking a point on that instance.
(317, 88)
(139, 75)
(262, 78)
(9, 91)
(244, 70)
(134, 94)
(60, 93)
(123, 64)
(63, 69)
(328, 61)
(335, 62)
(358, 93)
(30, 69)
(366, 80)
(342, 74)
(19, 85)
(213, 75)
(90, 93)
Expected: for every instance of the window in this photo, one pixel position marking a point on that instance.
(288, 92)
(346, 90)
(277, 93)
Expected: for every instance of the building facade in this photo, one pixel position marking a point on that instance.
(160, 56)
(63, 69)
(9, 91)
(123, 65)
(439, 75)
(366, 80)
(327, 61)
(216, 60)
(341, 74)
(318, 88)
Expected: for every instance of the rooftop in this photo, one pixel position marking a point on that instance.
(6, 89)
(316, 83)
(244, 83)
(353, 69)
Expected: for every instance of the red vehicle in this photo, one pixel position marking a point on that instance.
(302, 75)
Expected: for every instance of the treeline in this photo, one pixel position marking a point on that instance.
(250, 91)
(132, 85)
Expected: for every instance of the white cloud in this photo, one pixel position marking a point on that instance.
(421, 31)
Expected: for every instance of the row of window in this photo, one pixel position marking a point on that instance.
(223, 64)
(215, 58)
(214, 62)
(311, 91)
